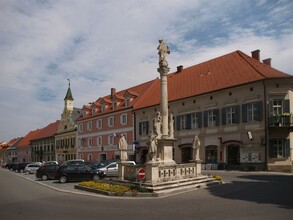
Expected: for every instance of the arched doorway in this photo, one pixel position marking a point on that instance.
(233, 155)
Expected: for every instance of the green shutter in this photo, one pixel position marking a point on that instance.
(217, 111)
(287, 148)
(237, 114)
(178, 123)
(205, 119)
(271, 149)
(188, 121)
(244, 113)
(199, 115)
(223, 111)
(140, 128)
(259, 111)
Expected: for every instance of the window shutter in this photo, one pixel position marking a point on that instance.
(205, 118)
(140, 128)
(286, 108)
(223, 110)
(188, 121)
(244, 113)
(199, 115)
(147, 127)
(287, 148)
(178, 123)
(237, 114)
(259, 111)
(271, 112)
(217, 112)
(271, 149)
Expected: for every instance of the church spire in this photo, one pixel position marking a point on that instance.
(69, 93)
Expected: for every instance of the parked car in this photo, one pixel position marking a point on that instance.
(101, 164)
(50, 162)
(13, 166)
(20, 167)
(112, 168)
(77, 172)
(76, 161)
(46, 172)
(32, 168)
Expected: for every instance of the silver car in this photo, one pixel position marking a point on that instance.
(32, 168)
(112, 168)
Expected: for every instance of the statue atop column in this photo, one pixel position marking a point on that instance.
(163, 49)
(195, 148)
(122, 145)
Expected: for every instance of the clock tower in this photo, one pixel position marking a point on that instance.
(68, 101)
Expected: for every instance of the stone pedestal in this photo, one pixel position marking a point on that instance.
(197, 164)
(165, 151)
(152, 172)
(121, 169)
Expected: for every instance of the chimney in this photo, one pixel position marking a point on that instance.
(267, 61)
(256, 55)
(113, 91)
(179, 69)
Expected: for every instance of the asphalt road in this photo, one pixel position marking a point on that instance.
(244, 196)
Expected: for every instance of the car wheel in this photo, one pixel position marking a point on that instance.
(27, 172)
(63, 179)
(96, 177)
(44, 177)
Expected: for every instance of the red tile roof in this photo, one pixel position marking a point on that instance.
(230, 70)
(48, 131)
(133, 91)
(26, 140)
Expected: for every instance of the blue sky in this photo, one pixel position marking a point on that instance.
(107, 43)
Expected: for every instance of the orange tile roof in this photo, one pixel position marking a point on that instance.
(26, 140)
(13, 141)
(48, 131)
(230, 70)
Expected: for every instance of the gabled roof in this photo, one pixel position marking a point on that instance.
(134, 91)
(26, 140)
(14, 142)
(48, 131)
(227, 71)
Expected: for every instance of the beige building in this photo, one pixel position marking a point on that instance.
(241, 109)
(66, 135)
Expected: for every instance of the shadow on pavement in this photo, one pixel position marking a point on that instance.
(263, 189)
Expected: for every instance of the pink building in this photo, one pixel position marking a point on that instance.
(103, 122)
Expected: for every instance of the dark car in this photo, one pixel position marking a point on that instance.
(46, 172)
(13, 166)
(20, 167)
(78, 172)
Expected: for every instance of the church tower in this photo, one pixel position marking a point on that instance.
(68, 101)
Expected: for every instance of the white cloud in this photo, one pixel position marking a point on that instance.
(105, 44)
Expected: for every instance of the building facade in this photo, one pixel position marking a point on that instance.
(104, 121)
(232, 103)
(43, 144)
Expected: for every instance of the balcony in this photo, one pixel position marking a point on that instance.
(284, 120)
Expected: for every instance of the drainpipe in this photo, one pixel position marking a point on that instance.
(266, 125)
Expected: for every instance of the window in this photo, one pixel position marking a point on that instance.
(182, 122)
(230, 115)
(99, 141)
(114, 105)
(123, 119)
(127, 102)
(89, 126)
(195, 120)
(90, 157)
(99, 123)
(103, 108)
(279, 108)
(211, 118)
(80, 127)
(111, 121)
(89, 142)
(279, 148)
(252, 112)
(111, 139)
(143, 128)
